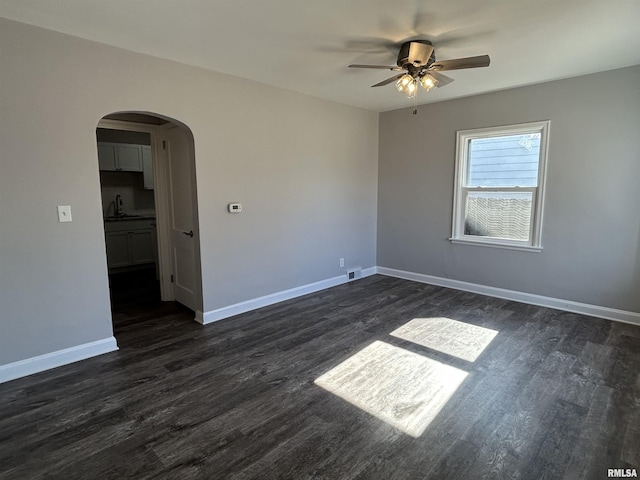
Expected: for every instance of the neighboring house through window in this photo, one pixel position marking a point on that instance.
(499, 187)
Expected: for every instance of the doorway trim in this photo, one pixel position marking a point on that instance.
(161, 195)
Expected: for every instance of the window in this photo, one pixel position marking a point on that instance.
(499, 186)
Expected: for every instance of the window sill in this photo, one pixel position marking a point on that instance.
(508, 246)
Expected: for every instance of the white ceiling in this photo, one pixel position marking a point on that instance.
(306, 45)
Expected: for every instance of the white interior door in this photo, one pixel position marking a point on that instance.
(178, 149)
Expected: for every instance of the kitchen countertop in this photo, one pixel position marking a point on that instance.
(126, 217)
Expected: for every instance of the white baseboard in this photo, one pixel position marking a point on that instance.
(253, 304)
(542, 301)
(32, 365)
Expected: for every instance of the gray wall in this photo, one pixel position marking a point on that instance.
(591, 225)
(304, 168)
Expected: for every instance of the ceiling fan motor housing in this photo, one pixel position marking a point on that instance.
(407, 57)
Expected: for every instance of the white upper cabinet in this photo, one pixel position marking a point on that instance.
(121, 157)
(107, 156)
(147, 167)
(129, 158)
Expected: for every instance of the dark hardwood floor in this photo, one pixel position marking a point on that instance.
(555, 395)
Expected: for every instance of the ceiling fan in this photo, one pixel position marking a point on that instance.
(417, 58)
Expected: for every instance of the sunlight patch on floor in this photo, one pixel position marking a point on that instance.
(400, 387)
(459, 339)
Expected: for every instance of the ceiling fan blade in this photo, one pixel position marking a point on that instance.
(388, 80)
(381, 67)
(442, 79)
(460, 63)
(419, 53)
(370, 45)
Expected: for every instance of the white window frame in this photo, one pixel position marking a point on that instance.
(463, 139)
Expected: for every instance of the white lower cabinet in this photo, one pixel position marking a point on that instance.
(141, 246)
(117, 249)
(130, 243)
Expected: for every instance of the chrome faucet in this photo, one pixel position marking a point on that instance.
(118, 206)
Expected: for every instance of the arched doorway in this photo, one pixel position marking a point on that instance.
(148, 188)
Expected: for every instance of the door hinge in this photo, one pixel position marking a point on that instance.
(172, 278)
(164, 145)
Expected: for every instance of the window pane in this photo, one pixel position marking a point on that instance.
(505, 161)
(499, 214)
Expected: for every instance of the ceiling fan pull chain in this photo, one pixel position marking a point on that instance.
(415, 99)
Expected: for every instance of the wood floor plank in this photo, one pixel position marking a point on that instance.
(555, 443)
(631, 442)
(589, 459)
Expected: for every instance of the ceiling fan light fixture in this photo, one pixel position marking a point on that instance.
(428, 82)
(407, 85)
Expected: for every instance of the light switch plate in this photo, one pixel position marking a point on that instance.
(64, 213)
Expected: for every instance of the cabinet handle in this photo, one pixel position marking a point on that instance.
(189, 233)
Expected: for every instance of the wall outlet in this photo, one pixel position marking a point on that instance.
(342, 262)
